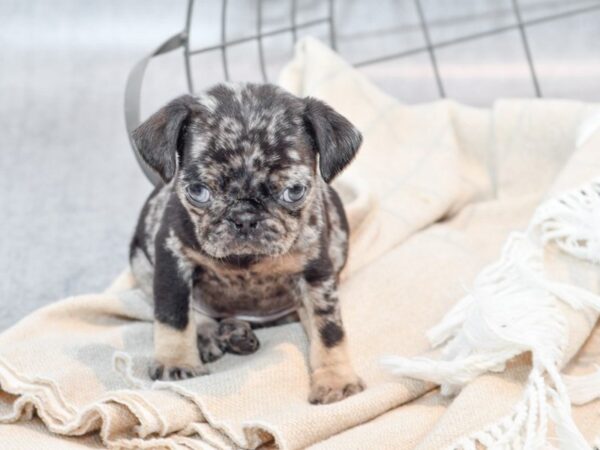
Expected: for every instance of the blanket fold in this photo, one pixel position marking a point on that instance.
(433, 196)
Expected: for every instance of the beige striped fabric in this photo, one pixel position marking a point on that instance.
(431, 198)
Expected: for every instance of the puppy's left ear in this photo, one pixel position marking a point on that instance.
(336, 139)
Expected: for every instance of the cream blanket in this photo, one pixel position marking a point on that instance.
(432, 196)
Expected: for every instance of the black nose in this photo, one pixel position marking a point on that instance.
(244, 223)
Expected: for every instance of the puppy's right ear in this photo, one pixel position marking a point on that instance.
(159, 139)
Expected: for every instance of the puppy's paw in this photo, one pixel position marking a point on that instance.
(164, 372)
(237, 337)
(332, 384)
(210, 347)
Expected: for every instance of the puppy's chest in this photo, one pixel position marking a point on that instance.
(245, 293)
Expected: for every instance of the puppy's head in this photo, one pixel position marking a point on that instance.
(243, 161)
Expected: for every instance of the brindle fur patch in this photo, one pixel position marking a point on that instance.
(331, 334)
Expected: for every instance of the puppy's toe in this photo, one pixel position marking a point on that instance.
(331, 385)
(238, 337)
(164, 372)
(210, 350)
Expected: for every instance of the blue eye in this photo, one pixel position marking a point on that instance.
(198, 193)
(294, 193)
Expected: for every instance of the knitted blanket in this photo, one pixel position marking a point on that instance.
(469, 301)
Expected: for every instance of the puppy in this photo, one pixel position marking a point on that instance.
(245, 224)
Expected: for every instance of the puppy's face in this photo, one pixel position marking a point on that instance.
(248, 171)
(243, 162)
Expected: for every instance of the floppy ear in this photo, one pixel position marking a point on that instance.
(159, 139)
(336, 139)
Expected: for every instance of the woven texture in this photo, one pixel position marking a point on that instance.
(431, 198)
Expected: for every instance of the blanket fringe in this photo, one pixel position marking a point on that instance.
(514, 308)
(527, 426)
(583, 389)
(572, 222)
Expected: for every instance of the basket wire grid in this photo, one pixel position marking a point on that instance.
(429, 47)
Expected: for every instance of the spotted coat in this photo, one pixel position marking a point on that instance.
(223, 233)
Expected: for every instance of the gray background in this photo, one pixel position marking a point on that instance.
(70, 189)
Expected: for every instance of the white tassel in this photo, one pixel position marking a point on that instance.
(572, 221)
(513, 308)
(504, 315)
(568, 435)
(525, 428)
(584, 388)
(450, 375)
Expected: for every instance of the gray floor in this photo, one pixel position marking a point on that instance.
(70, 189)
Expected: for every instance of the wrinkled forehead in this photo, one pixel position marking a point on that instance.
(243, 130)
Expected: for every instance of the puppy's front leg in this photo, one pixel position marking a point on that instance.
(333, 377)
(175, 337)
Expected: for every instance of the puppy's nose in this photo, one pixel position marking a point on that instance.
(244, 223)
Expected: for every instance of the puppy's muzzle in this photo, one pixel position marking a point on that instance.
(245, 219)
(244, 223)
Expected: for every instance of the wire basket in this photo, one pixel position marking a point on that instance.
(514, 16)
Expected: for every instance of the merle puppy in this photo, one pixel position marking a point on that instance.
(245, 224)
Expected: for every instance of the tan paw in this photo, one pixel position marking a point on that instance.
(332, 385)
(165, 372)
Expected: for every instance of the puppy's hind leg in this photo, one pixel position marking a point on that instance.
(237, 336)
(229, 335)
